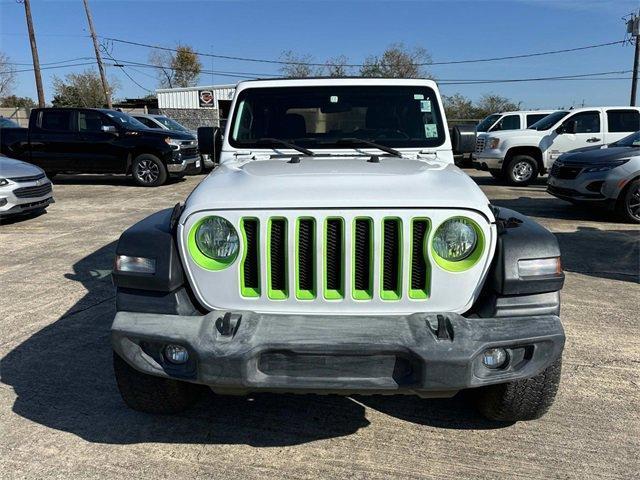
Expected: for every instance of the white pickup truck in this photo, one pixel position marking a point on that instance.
(518, 156)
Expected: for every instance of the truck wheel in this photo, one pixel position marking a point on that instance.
(526, 399)
(628, 205)
(521, 170)
(149, 394)
(149, 171)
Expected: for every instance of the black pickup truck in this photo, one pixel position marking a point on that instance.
(86, 140)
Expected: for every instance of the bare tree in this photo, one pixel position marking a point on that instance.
(491, 103)
(7, 75)
(337, 67)
(397, 61)
(458, 106)
(297, 65)
(177, 69)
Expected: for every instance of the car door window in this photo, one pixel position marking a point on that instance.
(508, 122)
(56, 120)
(534, 117)
(89, 121)
(623, 121)
(147, 122)
(585, 122)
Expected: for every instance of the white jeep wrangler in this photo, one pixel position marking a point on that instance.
(338, 249)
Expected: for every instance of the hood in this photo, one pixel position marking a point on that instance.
(148, 132)
(525, 133)
(598, 155)
(10, 168)
(347, 182)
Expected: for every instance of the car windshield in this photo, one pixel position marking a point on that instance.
(549, 121)
(485, 124)
(6, 123)
(171, 124)
(337, 117)
(632, 140)
(125, 120)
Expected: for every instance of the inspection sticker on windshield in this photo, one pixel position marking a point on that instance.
(425, 105)
(430, 130)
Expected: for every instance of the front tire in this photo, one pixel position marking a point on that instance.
(628, 206)
(521, 170)
(149, 171)
(149, 394)
(526, 399)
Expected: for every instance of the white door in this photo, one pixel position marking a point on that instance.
(583, 129)
(621, 122)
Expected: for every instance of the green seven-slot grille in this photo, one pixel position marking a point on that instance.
(329, 284)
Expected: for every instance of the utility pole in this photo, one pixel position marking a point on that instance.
(633, 28)
(34, 54)
(105, 85)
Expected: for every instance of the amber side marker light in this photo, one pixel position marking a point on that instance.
(539, 267)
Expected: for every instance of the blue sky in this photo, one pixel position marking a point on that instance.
(449, 30)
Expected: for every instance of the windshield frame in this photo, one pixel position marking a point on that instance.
(558, 116)
(336, 143)
(129, 122)
(171, 124)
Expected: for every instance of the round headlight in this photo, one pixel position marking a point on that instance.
(455, 239)
(217, 239)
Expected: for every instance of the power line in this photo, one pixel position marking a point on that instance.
(51, 63)
(106, 51)
(56, 66)
(449, 62)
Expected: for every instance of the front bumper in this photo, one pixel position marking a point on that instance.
(12, 203)
(413, 354)
(593, 187)
(481, 162)
(187, 165)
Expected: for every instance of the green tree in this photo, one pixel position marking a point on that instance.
(177, 69)
(80, 90)
(12, 101)
(397, 61)
(458, 106)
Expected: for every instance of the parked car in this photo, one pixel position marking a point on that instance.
(503, 121)
(162, 122)
(608, 176)
(24, 188)
(337, 248)
(8, 123)
(85, 140)
(519, 156)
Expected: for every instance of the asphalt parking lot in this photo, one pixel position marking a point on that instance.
(61, 415)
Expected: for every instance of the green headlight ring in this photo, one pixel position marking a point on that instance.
(200, 258)
(466, 263)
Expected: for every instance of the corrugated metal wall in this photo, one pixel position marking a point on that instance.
(188, 98)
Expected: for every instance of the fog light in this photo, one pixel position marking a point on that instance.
(536, 267)
(125, 263)
(176, 354)
(3, 202)
(494, 357)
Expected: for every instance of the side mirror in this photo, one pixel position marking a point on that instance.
(210, 142)
(463, 139)
(109, 129)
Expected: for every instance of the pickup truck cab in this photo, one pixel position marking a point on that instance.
(519, 156)
(338, 249)
(85, 140)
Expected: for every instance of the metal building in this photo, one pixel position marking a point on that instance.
(197, 106)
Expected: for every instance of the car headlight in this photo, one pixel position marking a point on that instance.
(175, 144)
(3, 182)
(214, 243)
(455, 239)
(493, 143)
(607, 167)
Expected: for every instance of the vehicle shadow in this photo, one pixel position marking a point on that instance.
(62, 377)
(554, 208)
(23, 217)
(104, 179)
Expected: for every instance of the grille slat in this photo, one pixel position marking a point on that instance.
(362, 268)
(251, 262)
(34, 191)
(334, 258)
(306, 259)
(278, 259)
(419, 267)
(391, 259)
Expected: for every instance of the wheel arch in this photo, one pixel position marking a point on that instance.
(532, 151)
(137, 151)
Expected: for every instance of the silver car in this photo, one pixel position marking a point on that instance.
(162, 122)
(24, 188)
(608, 175)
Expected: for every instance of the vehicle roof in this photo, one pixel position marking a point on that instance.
(147, 115)
(329, 81)
(526, 112)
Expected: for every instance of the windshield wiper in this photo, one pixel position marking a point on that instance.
(286, 144)
(362, 141)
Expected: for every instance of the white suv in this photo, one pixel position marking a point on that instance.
(520, 155)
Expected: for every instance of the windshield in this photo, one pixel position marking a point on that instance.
(125, 120)
(632, 140)
(485, 124)
(171, 124)
(337, 117)
(549, 121)
(6, 123)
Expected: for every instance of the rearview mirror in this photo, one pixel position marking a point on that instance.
(109, 129)
(210, 142)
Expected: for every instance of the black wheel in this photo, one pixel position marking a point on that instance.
(526, 399)
(521, 170)
(628, 206)
(149, 171)
(497, 174)
(150, 394)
